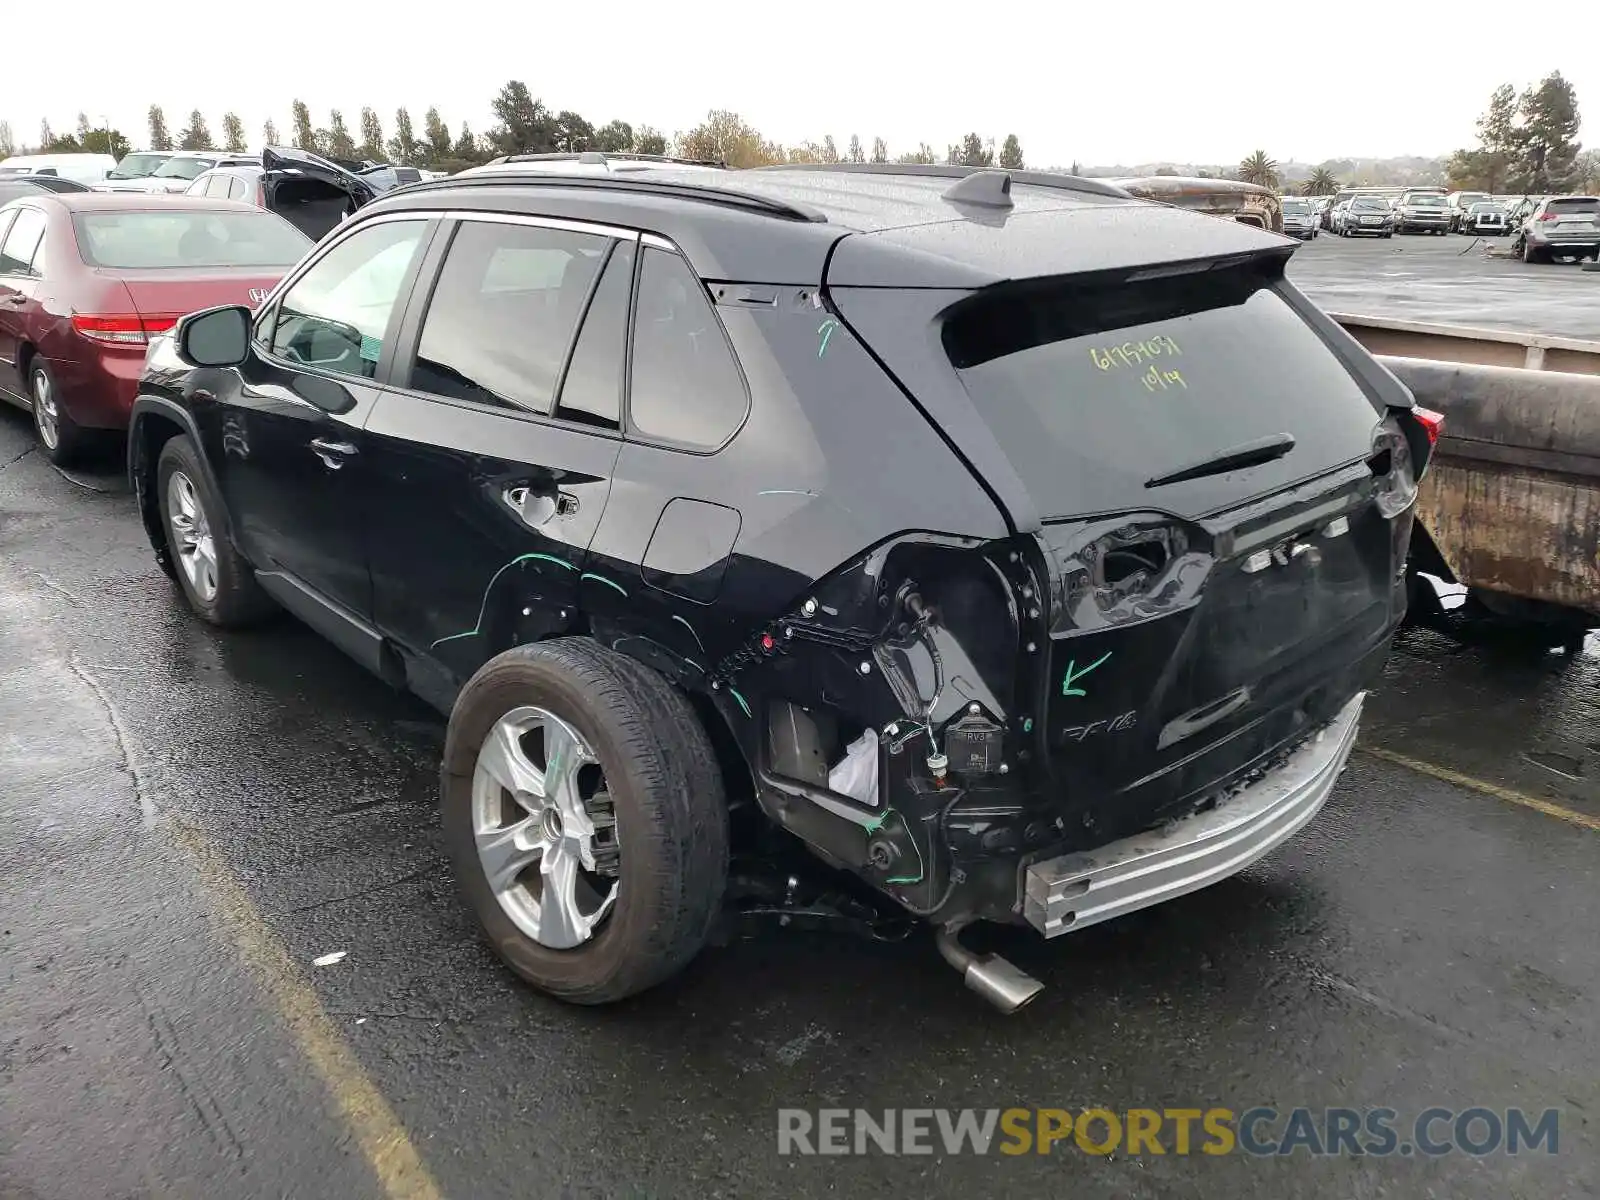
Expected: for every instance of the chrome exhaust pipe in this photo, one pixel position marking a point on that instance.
(999, 981)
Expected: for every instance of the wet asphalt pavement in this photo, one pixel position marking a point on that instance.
(188, 819)
(1447, 281)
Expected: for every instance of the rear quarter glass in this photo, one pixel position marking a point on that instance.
(1092, 392)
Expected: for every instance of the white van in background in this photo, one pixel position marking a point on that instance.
(82, 168)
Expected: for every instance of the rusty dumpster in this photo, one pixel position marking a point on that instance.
(1511, 505)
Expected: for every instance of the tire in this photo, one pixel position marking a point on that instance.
(227, 594)
(62, 440)
(1529, 254)
(665, 791)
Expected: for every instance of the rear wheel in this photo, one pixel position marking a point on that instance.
(1529, 254)
(61, 439)
(584, 814)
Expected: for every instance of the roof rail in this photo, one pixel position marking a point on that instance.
(706, 193)
(601, 156)
(1044, 179)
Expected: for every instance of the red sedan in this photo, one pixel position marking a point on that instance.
(87, 278)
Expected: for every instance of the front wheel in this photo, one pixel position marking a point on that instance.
(583, 811)
(219, 584)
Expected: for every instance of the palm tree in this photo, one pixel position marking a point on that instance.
(1258, 168)
(1321, 183)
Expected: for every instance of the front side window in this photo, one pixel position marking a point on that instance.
(686, 389)
(504, 312)
(22, 242)
(337, 313)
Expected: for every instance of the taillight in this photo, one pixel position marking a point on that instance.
(1548, 216)
(121, 329)
(1432, 423)
(1392, 467)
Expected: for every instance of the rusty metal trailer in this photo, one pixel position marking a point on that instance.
(1511, 507)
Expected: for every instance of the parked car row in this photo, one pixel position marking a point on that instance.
(525, 444)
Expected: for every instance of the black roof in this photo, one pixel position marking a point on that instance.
(919, 226)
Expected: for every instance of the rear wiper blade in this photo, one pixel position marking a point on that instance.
(1248, 454)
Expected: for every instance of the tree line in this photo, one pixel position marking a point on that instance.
(524, 125)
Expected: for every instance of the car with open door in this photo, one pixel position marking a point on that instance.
(1022, 548)
(311, 193)
(86, 278)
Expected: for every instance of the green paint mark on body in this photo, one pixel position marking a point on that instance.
(1074, 674)
(825, 331)
(602, 579)
(735, 694)
(483, 608)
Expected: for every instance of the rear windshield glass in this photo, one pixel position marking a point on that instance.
(1575, 204)
(137, 166)
(183, 168)
(153, 240)
(1093, 392)
(1296, 206)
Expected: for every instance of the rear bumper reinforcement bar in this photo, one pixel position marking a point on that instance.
(1081, 889)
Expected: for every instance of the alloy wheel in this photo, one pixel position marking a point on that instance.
(545, 828)
(46, 417)
(192, 537)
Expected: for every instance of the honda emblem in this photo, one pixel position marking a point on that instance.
(257, 295)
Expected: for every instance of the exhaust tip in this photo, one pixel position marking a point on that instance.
(999, 981)
(1002, 983)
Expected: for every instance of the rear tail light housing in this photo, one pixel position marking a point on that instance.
(1548, 216)
(1394, 468)
(121, 329)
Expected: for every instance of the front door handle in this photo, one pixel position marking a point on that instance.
(332, 453)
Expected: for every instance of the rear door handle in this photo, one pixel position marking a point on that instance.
(16, 298)
(332, 453)
(538, 507)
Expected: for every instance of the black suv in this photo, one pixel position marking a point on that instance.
(1021, 547)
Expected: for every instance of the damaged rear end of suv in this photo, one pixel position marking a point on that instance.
(1157, 676)
(1022, 548)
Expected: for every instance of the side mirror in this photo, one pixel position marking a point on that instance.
(214, 337)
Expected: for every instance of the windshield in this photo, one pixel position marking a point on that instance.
(187, 240)
(137, 166)
(183, 168)
(1427, 201)
(1370, 204)
(1093, 391)
(1484, 208)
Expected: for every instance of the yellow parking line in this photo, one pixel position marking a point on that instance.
(1509, 795)
(382, 1139)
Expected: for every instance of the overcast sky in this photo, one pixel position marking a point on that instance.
(1100, 84)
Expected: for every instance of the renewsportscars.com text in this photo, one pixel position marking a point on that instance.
(1259, 1131)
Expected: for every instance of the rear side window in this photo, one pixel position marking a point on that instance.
(235, 187)
(1093, 392)
(591, 393)
(504, 312)
(21, 246)
(686, 389)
